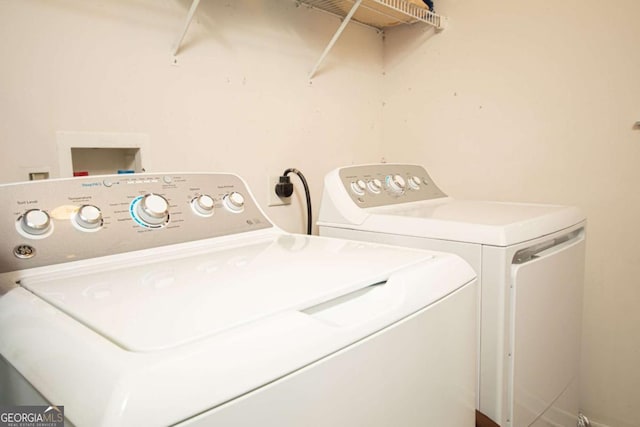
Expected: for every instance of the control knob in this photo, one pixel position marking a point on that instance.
(234, 201)
(35, 222)
(203, 205)
(358, 187)
(395, 184)
(88, 217)
(414, 182)
(153, 210)
(375, 186)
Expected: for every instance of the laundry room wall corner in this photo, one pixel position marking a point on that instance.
(526, 101)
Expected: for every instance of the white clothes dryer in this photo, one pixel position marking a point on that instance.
(530, 264)
(171, 299)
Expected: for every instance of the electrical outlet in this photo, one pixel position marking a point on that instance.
(37, 172)
(33, 176)
(273, 199)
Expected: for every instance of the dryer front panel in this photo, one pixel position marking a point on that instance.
(546, 312)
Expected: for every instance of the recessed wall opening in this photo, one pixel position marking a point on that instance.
(92, 153)
(104, 161)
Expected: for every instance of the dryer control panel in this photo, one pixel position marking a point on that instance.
(59, 220)
(388, 184)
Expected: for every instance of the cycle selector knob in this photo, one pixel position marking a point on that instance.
(203, 205)
(88, 217)
(234, 201)
(395, 184)
(153, 210)
(35, 222)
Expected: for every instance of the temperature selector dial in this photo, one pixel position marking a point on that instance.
(203, 205)
(152, 210)
(395, 184)
(88, 217)
(35, 222)
(234, 202)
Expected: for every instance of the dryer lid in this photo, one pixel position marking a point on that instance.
(482, 222)
(146, 305)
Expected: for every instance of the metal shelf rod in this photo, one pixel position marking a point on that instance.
(335, 37)
(192, 12)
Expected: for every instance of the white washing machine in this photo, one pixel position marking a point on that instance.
(171, 299)
(530, 264)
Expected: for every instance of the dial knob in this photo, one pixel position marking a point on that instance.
(358, 187)
(35, 222)
(414, 182)
(234, 201)
(374, 186)
(203, 205)
(395, 184)
(88, 217)
(153, 210)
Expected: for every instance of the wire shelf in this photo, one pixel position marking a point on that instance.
(381, 14)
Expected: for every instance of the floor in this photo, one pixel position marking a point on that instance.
(483, 421)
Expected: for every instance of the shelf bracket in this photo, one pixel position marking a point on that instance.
(335, 37)
(192, 12)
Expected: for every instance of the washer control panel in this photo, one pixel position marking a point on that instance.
(388, 184)
(59, 220)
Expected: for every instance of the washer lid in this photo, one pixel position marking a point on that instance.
(490, 223)
(248, 312)
(156, 301)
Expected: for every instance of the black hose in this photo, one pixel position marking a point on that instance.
(306, 192)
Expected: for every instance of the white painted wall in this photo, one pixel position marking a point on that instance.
(527, 101)
(514, 101)
(237, 100)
